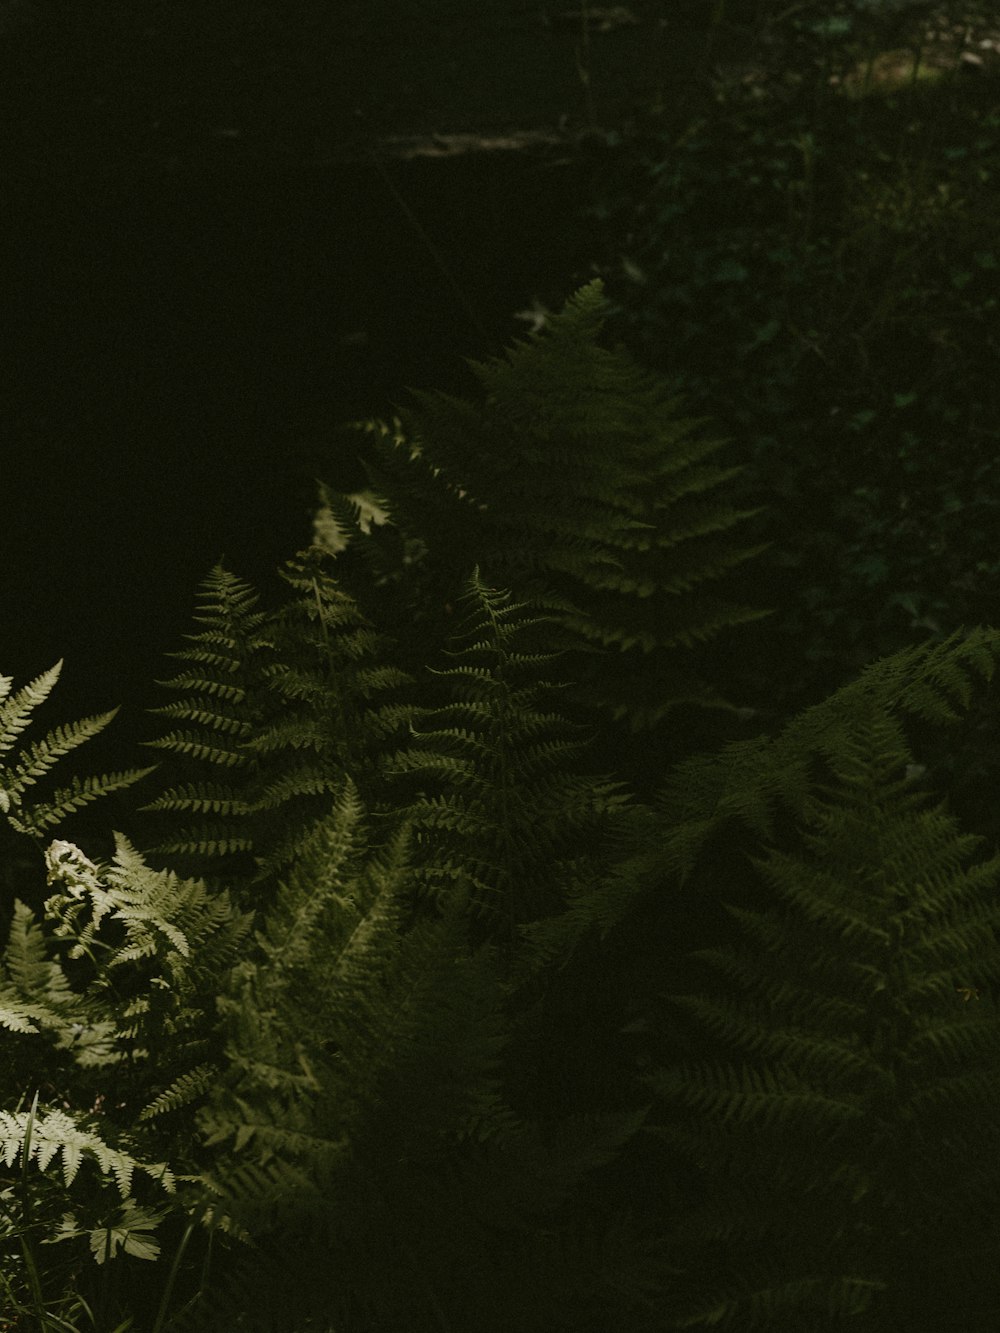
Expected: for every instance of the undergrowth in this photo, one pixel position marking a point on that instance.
(437, 1023)
(819, 270)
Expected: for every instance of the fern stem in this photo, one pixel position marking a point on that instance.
(206, 1264)
(322, 618)
(161, 1313)
(29, 1257)
(429, 245)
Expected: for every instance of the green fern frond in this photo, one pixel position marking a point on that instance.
(17, 1017)
(749, 782)
(35, 761)
(295, 716)
(507, 813)
(224, 702)
(46, 815)
(25, 956)
(926, 681)
(15, 712)
(846, 1014)
(44, 1136)
(184, 1090)
(41, 755)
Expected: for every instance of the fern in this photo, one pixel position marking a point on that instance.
(153, 946)
(284, 703)
(367, 1144)
(56, 1136)
(109, 1005)
(222, 687)
(751, 782)
(331, 714)
(507, 822)
(454, 1071)
(575, 484)
(855, 1141)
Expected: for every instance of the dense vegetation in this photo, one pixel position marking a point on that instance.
(541, 920)
(810, 254)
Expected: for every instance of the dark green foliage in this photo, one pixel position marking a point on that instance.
(371, 1153)
(575, 483)
(743, 790)
(506, 821)
(820, 274)
(478, 1039)
(602, 513)
(848, 1154)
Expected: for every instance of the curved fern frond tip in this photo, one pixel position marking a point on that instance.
(16, 711)
(80, 792)
(589, 295)
(26, 767)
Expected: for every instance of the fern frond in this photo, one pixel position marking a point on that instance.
(506, 816)
(185, 1089)
(37, 759)
(80, 792)
(54, 1134)
(31, 975)
(287, 722)
(15, 712)
(853, 1039)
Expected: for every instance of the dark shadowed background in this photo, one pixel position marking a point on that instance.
(202, 272)
(222, 231)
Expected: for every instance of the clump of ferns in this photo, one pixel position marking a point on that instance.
(576, 483)
(20, 772)
(336, 705)
(120, 962)
(502, 812)
(366, 1141)
(109, 1002)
